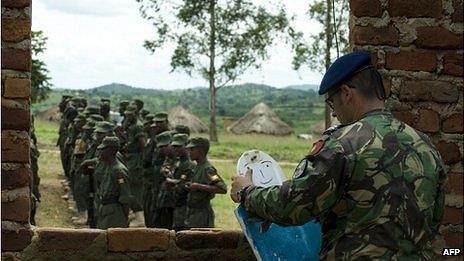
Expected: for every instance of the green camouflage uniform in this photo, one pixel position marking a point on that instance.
(376, 187)
(183, 172)
(148, 180)
(114, 192)
(164, 196)
(134, 162)
(199, 210)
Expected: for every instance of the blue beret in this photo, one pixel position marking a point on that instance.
(343, 69)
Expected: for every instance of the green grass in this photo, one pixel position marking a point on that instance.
(223, 155)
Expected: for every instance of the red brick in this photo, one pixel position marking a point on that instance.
(453, 123)
(387, 86)
(405, 116)
(437, 37)
(452, 64)
(66, 239)
(416, 8)
(361, 8)
(429, 121)
(18, 178)
(438, 91)
(449, 152)
(16, 210)
(454, 240)
(16, 59)
(15, 240)
(411, 61)
(457, 16)
(15, 146)
(454, 184)
(17, 88)
(137, 239)
(197, 239)
(452, 216)
(15, 29)
(15, 115)
(16, 3)
(363, 35)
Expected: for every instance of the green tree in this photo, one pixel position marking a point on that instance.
(40, 81)
(323, 46)
(218, 40)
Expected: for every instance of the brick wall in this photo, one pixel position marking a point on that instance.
(418, 47)
(16, 85)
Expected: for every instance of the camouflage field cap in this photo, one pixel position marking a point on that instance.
(182, 129)
(124, 103)
(144, 112)
(163, 139)
(109, 141)
(90, 124)
(161, 116)
(147, 123)
(179, 139)
(131, 109)
(105, 100)
(80, 109)
(66, 96)
(96, 118)
(138, 102)
(104, 127)
(76, 101)
(79, 117)
(149, 117)
(89, 110)
(198, 142)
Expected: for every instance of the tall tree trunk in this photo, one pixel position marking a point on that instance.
(328, 47)
(212, 74)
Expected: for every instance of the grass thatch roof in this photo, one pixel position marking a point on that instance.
(180, 116)
(260, 119)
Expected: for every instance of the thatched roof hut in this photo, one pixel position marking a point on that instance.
(180, 116)
(260, 119)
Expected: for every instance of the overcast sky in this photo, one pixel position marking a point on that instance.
(97, 42)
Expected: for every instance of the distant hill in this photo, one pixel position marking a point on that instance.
(303, 87)
(118, 88)
(295, 106)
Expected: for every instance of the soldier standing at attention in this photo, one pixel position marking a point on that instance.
(152, 159)
(165, 197)
(181, 174)
(133, 157)
(205, 182)
(105, 109)
(374, 183)
(114, 190)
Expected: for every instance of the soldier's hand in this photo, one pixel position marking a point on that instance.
(192, 186)
(239, 182)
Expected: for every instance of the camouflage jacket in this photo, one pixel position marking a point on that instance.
(376, 187)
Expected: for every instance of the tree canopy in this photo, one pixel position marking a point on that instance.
(40, 81)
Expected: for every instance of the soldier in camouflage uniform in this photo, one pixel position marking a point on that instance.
(204, 184)
(102, 129)
(74, 134)
(114, 191)
(133, 157)
(374, 183)
(181, 174)
(165, 197)
(105, 109)
(68, 117)
(151, 159)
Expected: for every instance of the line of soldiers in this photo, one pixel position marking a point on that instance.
(134, 167)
